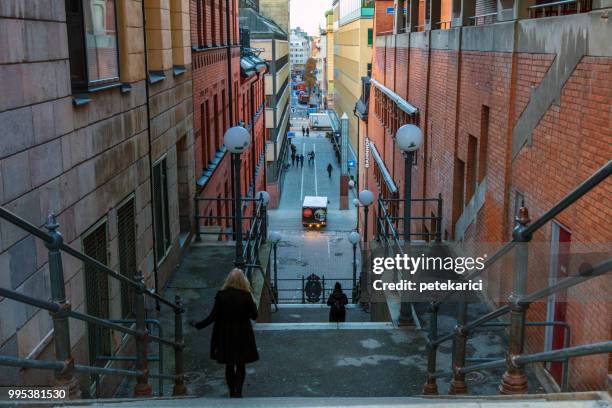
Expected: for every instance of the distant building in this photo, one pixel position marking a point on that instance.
(299, 47)
(329, 39)
(271, 44)
(352, 56)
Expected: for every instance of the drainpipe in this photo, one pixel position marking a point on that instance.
(151, 186)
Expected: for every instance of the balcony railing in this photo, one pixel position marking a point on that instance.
(484, 19)
(559, 8)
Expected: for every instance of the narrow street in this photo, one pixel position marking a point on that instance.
(302, 252)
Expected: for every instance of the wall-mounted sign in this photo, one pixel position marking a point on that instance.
(366, 161)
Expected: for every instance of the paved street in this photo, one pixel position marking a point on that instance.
(303, 252)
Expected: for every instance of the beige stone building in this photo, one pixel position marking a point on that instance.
(329, 44)
(96, 128)
(277, 11)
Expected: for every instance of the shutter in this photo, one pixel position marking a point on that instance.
(96, 293)
(485, 7)
(126, 232)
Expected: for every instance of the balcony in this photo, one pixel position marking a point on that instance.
(560, 8)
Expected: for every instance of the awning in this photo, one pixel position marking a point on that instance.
(383, 169)
(398, 100)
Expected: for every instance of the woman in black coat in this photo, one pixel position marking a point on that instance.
(337, 300)
(233, 340)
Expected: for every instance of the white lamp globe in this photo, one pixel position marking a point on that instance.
(409, 138)
(263, 196)
(366, 197)
(237, 139)
(354, 237)
(275, 236)
(356, 202)
(351, 183)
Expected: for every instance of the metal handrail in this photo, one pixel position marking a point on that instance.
(60, 310)
(518, 303)
(554, 3)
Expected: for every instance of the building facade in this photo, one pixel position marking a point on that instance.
(96, 128)
(299, 48)
(277, 11)
(329, 39)
(352, 56)
(227, 89)
(271, 44)
(514, 108)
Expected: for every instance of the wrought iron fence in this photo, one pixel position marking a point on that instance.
(301, 290)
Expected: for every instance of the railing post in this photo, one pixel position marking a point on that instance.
(196, 213)
(439, 229)
(458, 384)
(61, 327)
(514, 380)
(142, 387)
(431, 387)
(323, 286)
(303, 289)
(179, 362)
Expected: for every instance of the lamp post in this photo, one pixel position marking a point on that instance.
(409, 138)
(237, 139)
(275, 237)
(357, 204)
(366, 198)
(354, 239)
(265, 200)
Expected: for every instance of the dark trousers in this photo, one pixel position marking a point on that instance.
(234, 376)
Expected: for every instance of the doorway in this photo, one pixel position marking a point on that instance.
(556, 308)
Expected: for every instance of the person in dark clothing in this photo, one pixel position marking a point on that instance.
(293, 158)
(233, 340)
(307, 132)
(329, 169)
(303, 131)
(301, 160)
(337, 301)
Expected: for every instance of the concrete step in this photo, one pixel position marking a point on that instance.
(572, 400)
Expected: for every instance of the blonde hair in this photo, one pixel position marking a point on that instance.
(236, 279)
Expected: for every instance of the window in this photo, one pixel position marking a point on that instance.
(370, 36)
(160, 202)
(92, 42)
(126, 235)
(97, 293)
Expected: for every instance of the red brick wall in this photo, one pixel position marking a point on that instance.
(383, 22)
(571, 142)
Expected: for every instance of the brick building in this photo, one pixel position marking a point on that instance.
(513, 99)
(95, 127)
(227, 91)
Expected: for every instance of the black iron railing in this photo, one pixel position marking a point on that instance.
(60, 310)
(300, 289)
(514, 380)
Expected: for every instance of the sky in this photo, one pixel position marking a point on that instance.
(309, 14)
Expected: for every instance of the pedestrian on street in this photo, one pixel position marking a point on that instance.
(301, 160)
(233, 340)
(329, 169)
(308, 132)
(303, 131)
(337, 302)
(293, 158)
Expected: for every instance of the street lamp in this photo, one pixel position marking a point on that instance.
(265, 199)
(354, 239)
(275, 237)
(237, 139)
(409, 138)
(366, 198)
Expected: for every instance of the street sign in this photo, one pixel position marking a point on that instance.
(351, 163)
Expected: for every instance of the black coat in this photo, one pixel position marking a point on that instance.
(337, 301)
(233, 341)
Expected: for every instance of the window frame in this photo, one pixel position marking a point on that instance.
(84, 83)
(165, 222)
